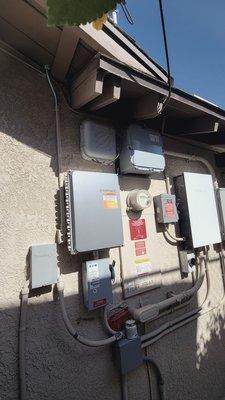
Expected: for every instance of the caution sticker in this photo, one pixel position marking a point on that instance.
(137, 229)
(110, 200)
(169, 209)
(140, 248)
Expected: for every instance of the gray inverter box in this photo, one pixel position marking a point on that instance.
(198, 214)
(94, 218)
(142, 151)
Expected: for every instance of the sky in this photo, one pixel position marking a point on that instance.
(196, 41)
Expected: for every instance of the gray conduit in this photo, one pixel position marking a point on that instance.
(151, 311)
(195, 158)
(124, 387)
(60, 232)
(72, 331)
(171, 326)
(22, 342)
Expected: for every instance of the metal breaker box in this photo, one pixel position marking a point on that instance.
(198, 215)
(97, 285)
(93, 211)
(165, 208)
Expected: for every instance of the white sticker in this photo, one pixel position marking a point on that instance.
(131, 286)
(144, 269)
(93, 272)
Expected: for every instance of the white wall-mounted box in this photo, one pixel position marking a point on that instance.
(199, 220)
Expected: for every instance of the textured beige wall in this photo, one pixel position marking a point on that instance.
(192, 359)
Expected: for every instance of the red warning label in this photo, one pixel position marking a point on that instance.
(99, 303)
(137, 229)
(140, 248)
(169, 209)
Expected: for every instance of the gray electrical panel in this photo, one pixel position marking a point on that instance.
(198, 215)
(221, 203)
(165, 208)
(43, 265)
(97, 285)
(93, 211)
(142, 151)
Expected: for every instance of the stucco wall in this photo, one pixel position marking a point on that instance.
(191, 359)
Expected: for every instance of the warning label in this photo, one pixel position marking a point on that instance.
(110, 200)
(169, 210)
(137, 229)
(99, 303)
(140, 248)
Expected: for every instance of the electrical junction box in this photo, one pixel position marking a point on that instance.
(221, 206)
(98, 142)
(142, 151)
(198, 215)
(97, 285)
(43, 265)
(166, 209)
(93, 211)
(127, 354)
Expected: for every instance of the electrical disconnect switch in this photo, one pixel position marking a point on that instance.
(97, 283)
(166, 209)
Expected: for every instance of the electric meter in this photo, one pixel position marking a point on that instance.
(138, 200)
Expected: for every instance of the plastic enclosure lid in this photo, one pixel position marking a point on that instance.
(144, 142)
(98, 141)
(142, 151)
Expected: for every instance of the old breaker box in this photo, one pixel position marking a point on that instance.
(93, 211)
(97, 286)
(166, 209)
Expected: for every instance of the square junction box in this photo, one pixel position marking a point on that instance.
(43, 265)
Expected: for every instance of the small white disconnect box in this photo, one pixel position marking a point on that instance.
(43, 265)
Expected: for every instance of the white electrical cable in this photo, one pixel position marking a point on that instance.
(72, 330)
(175, 238)
(60, 232)
(22, 342)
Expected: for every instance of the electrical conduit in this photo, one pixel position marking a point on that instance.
(72, 331)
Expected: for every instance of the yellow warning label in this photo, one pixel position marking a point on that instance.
(110, 200)
(142, 260)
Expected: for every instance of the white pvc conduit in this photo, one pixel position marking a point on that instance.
(72, 331)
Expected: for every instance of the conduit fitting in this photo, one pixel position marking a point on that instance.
(196, 158)
(151, 311)
(175, 238)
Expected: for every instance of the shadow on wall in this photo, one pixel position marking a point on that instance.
(57, 367)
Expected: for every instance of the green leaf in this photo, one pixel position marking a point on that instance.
(76, 12)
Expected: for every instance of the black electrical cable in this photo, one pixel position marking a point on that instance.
(127, 12)
(166, 101)
(159, 377)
